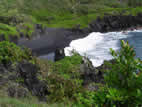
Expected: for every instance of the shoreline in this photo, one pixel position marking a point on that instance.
(52, 39)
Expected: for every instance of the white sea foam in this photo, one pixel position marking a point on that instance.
(96, 46)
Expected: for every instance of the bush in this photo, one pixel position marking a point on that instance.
(63, 79)
(124, 79)
(123, 82)
(68, 64)
(7, 31)
(91, 98)
(10, 53)
(63, 89)
(26, 29)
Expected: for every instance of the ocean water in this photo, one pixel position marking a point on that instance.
(96, 46)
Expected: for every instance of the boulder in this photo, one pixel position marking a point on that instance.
(29, 73)
(59, 54)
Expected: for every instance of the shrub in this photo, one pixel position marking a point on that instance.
(123, 82)
(26, 28)
(63, 89)
(10, 53)
(91, 98)
(7, 31)
(63, 79)
(68, 64)
(124, 79)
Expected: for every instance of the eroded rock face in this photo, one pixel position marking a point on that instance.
(90, 74)
(93, 77)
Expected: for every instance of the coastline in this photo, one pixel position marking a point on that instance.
(52, 39)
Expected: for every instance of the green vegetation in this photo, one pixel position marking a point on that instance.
(123, 82)
(13, 102)
(123, 79)
(63, 78)
(9, 31)
(21, 15)
(26, 29)
(79, 12)
(10, 53)
(74, 12)
(122, 87)
(6, 31)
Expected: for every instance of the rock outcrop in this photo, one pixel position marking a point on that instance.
(115, 23)
(89, 73)
(21, 80)
(59, 54)
(47, 40)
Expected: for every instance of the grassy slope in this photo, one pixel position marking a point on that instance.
(13, 102)
(66, 16)
(67, 22)
(63, 13)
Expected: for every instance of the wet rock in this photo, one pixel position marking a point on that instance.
(90, 74)
(22, 35)
(59, 54)
(39, 29)
(38, 26)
